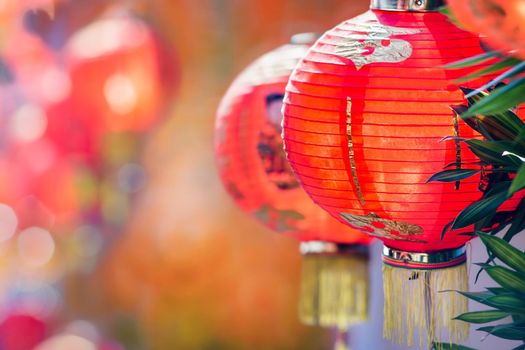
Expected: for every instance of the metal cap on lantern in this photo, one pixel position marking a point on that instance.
(407, 5)
(255, 172)
(364, 112)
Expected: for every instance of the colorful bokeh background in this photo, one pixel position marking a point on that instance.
(115, 232)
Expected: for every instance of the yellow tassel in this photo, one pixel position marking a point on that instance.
(416, 305)
(334, 290)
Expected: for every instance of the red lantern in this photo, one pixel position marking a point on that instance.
(255, 172)
(121, 75)
(364, 112)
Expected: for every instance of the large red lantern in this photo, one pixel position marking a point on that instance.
(364, 112)
(256, 174)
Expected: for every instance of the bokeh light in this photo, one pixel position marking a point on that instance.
(35, 246)
(8, 222)
(66, 342)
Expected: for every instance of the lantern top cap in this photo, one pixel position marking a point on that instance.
(407, 5)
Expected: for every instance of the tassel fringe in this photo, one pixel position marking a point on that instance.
(417, 304)
(334, 290)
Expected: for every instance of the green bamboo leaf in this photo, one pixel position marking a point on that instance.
(453, 138)
(491, 152)
(478, 210)
(500, 99)
(483, 265)
(511, 256)
(507, 62)
(472, 61)
(506, 302)
(453, 175)
(519, 181)
(497, 291)
(500, 126)
(480, 297)
(518, 223)
(505, 125)
(449, 346)
(519, 319)
(472, 95)
(507, 117)
(445, 229)
(482, 316)
(508, 279)
(506, 331)
(507, 153)
(519, 68)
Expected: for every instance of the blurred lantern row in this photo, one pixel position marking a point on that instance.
(80, 83)
(365, 108)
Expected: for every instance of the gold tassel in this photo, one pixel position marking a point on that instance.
(334, 289)
(416, 303)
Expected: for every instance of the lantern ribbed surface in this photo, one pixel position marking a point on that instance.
(254, 170)
(250, 156)
(365, 111)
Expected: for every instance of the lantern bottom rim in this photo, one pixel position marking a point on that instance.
(424, 261)
(332, 248)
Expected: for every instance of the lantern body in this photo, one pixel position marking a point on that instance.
(251, 160)
(364, 115)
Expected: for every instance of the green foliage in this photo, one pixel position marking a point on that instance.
(482, 316)
(508, 86)
(453, 175)
(506, 301)
(490, 111)
(501, 165)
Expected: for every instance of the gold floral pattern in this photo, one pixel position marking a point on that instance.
(376, 226)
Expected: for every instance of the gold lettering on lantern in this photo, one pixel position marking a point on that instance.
(373, 225)
(458, 145)
(351, 150)
(376, 45)
(279, 220)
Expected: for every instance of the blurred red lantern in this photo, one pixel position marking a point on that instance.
(21, 332)
(121, 75)
(501, 22)
(364, 112)
(254, 170)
